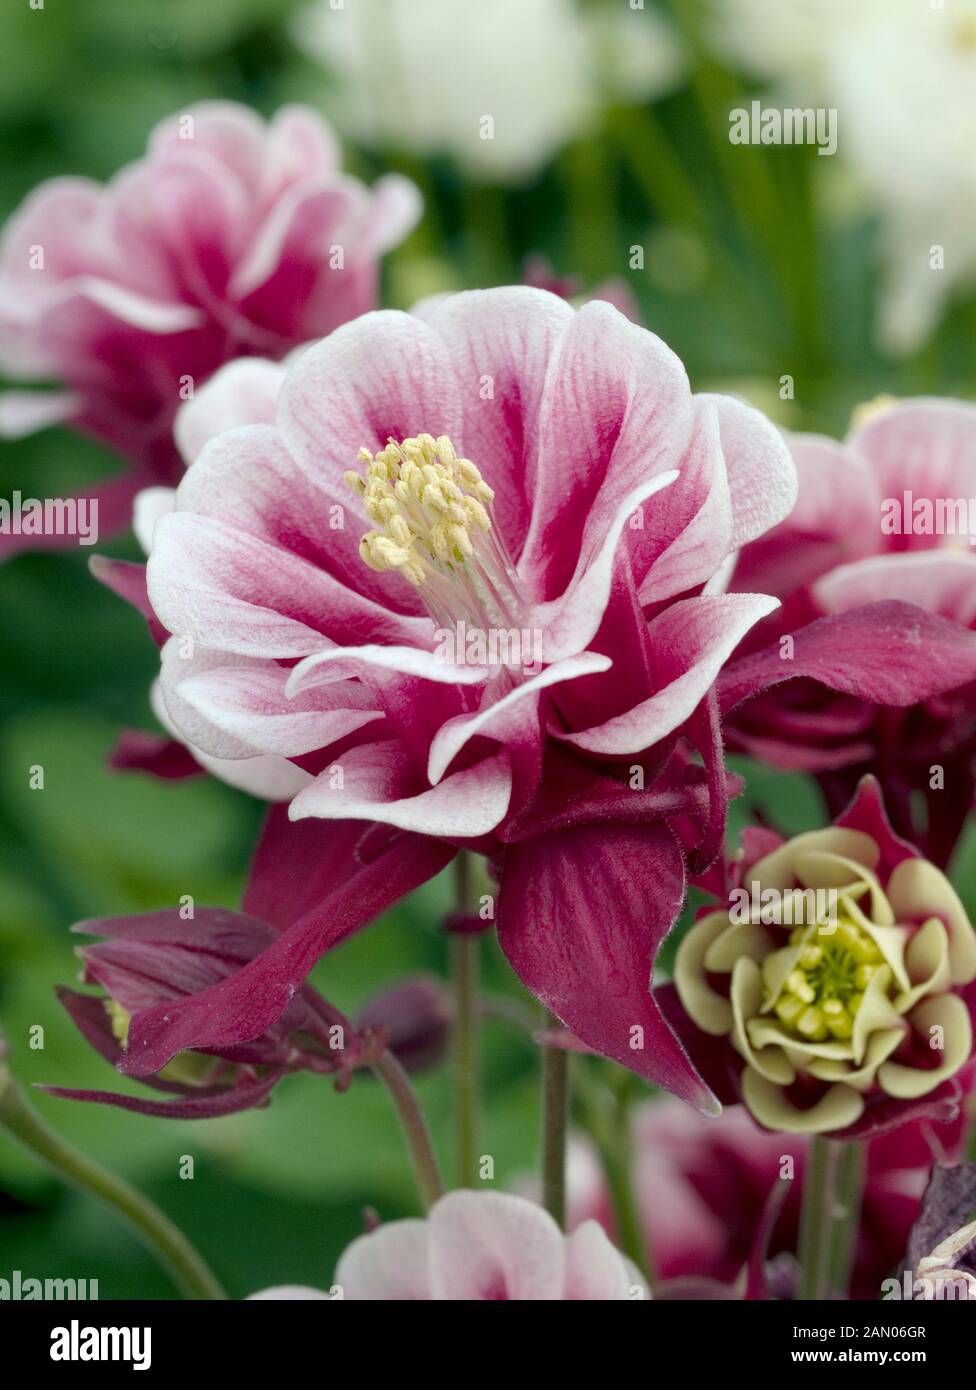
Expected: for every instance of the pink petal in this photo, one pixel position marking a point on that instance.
(595, 1271)
(244, 392)
(377, 785)
(570, 623)
(507, 337)
(385, 375)
(25, 412)
(888, 653)
(389, 1264)
(762, 477)
(231, 707)
(692, 639)
(509, 718)
(616, 413)
(940, 581)
(150, 504)
(490, 1246)
(923, 446)
(589, 963)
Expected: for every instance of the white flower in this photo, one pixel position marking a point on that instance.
(907, 119)
(901, 74)
(500, 86)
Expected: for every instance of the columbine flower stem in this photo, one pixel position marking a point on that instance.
(845, 1218)
(607, 1101)
(165, 1241)
(555, 1123)
(819, 1200)
(465, 951)
(415, 1131)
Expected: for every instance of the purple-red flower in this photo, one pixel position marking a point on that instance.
(479, 1247)
(230, 237)
(832, 990)
(159, 959)
(495, 468)
(883, 520)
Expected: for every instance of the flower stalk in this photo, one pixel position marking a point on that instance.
(555, 1126)
(430, 1184)
(165, 1241)
(816, 1218)
(465, 962)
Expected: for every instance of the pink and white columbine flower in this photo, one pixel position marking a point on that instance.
(479, 1247)
(903, 536)
(524, 467)
(231, 236)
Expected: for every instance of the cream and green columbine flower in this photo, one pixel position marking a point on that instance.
(841, 1019)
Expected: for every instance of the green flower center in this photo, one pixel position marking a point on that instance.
(824, 990)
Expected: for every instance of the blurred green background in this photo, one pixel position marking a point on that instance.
(751, 272)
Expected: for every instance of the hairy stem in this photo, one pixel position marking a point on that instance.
(165, 1241)
(415, 1130)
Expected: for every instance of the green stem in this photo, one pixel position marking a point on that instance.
(607, 1111)
(414, 1126)
(165, 1241)
(465, 954)
(819, 1196)
(555, 1125)
(845, 1215)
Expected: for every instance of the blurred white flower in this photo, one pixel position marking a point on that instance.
(906, 98)
(902, 76)
(500, 85)
(788, 41)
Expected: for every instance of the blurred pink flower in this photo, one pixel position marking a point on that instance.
(231, 236)
(595, 500)
(702, 1184)
(479, 1247)
(865, 530)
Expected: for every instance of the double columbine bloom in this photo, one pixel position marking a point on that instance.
(521, 464)
(846, 1018)
(231, 236)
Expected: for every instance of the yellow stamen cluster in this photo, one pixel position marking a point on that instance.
(824, 990)
(426, 503)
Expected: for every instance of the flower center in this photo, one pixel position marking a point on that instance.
(824, 990)
(433, 526)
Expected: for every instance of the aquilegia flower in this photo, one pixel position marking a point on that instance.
(479, 1246)
(461, 582)
(160, 958)
(515, 80)
(230, 237)
(838, 978)
(907, 477)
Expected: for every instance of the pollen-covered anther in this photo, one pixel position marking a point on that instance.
(425, 503)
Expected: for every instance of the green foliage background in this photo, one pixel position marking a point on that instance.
(749, 276)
